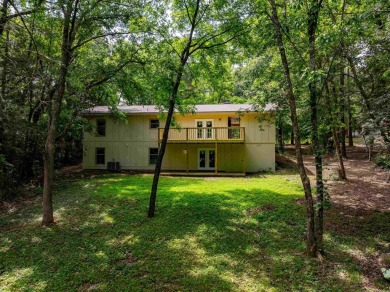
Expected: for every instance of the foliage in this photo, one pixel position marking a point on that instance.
(383, 161)
(100, 46)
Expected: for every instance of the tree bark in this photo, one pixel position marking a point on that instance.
(280, 135)
(350, 130)
(3, 16)
(54, 113)
(157, 171)
(342, 173)
(331, 105)
(3, 116)
(366, 100)
(183, 61)
(292, 140)
(311, 243)
(313, 90)
(342, 112)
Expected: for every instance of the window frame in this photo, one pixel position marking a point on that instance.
(97, 127)
(96, 155)
(150, 124)
(150, 155)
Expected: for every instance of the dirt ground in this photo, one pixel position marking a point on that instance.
(355, 204)
(366, 187)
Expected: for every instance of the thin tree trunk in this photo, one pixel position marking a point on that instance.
(311, 31)
(157, 170)
(311, 243)
(342, 112)
(183, 61)
(280, 135)
(366, 100)
(350, 130)
(330, 104)
(342, 173)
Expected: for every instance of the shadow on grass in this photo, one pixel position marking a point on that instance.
(222, 234)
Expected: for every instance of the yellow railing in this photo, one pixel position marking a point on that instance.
(225, 134)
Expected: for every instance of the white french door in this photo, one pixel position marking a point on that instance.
(206, 158)
(203, 132)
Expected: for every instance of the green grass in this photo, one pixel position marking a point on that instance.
(208, 234)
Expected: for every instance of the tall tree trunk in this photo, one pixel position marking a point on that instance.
(311, 32)
(366, 100)
(183, 61)
(350, 130)
(342, 111)
(331, 105)
(48, 166)
(157, 170)
(292, 140)
(311, 243)
(342, 173)
(56, 96)
(3, 116)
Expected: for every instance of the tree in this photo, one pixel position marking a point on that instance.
(200, 25)
(311, 243)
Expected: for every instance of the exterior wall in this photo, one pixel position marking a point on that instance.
(129, 144)
(230, 157)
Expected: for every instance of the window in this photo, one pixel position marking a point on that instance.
(153, 154)
(234, 133)
(154, 124)
(205, 129)
(100, 156)
(101, 127)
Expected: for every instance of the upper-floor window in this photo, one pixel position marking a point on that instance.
(101, 127)
(154, 124)
(234, 133)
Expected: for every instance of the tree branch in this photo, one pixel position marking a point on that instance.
(82, 43)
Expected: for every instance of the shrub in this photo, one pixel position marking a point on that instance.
(383, 161)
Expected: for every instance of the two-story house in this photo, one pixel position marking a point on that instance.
(218, 138)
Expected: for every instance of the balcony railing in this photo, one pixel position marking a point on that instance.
(210, 134)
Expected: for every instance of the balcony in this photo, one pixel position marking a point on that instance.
(204, 135)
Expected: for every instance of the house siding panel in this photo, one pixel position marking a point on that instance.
(129, 144)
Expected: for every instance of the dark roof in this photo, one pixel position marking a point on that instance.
(201, 108)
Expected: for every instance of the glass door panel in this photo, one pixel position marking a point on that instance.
(211, 158)
(202, 158)
(206, 159)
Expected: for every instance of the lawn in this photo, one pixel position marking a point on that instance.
(208, 234)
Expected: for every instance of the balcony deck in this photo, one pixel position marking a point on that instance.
(204, 135)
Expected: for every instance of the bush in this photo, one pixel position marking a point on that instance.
(383, 161)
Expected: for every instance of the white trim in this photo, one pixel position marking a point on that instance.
(204, 131)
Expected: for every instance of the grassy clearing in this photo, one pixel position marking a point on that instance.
(209, 234)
